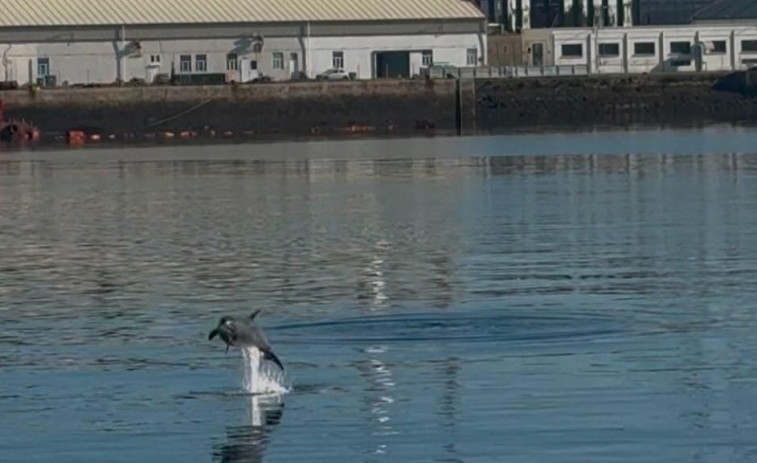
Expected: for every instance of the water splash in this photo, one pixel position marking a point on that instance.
(261, 377)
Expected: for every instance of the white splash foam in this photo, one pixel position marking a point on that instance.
(261, 377)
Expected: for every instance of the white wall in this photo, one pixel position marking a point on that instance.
(103, 62)
(99, 62)
(713, 61)
(358, 51)
(701, 38)
(576, 37)
(14, 62)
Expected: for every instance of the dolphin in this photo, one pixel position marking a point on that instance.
(244, 333)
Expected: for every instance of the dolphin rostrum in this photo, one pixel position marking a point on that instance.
(244, 333)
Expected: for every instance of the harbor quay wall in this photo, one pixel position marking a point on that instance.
(285, 109)
(397, 107)
(619, 100)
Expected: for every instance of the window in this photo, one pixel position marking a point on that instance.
(609, 49)
(201, 63)
(43, 67)
(680, 48)
(718, 47)
(253, 65)
(749, 46)
(644, 49)
(232, 63)
(572, 50)
(471, 56)
(427, 58)
(185, 63)
(278, 60)
(154, 59)
(337, 60)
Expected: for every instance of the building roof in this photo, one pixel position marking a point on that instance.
(20, 13)
(725, 10)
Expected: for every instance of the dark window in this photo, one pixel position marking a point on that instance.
(201, 63)
(749, 46)
(644, 49)
(609, 49)
(471, 56)
(574, 50)
(185, 63)
(337, 60)
(680, 48)
(253, 65)
(278, 60)
(232, 62)
(43, 67)
(718, 46)
(427, 58)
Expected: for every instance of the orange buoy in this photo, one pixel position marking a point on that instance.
(75, 137)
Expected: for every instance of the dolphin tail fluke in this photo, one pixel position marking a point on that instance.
(269, 355)
(212, 334)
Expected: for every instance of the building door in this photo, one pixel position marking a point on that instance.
(248, 69)
(152, 70)
(392, 64)
(294, 65)
(537, 54)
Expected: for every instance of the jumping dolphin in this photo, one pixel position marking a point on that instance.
(244, 333)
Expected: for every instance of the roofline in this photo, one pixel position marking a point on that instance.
(173, 31)
(752, 22)
(333, 22)
(250, 23)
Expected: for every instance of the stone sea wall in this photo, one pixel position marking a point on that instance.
(287, 110)
(610, 101)
(408, 107)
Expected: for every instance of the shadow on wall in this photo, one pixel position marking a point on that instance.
(244, 45)
(743, 82)
(671, 65)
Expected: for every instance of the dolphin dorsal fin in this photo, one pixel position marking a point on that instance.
(255, 314)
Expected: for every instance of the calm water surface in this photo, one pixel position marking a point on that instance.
(531, 298)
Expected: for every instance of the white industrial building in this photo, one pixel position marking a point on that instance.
(648, 49)
(94, 41)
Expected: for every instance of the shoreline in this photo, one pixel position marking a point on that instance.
(57, 146)
(373, 109)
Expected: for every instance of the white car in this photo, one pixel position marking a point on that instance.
(333, 74)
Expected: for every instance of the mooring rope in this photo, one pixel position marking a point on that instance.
(187, 111)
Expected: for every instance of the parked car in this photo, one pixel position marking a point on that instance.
(334, 74)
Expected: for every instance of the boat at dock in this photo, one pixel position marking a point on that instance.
(16, 131)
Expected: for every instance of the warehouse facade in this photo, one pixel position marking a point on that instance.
(52, 42)
(650, 49)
